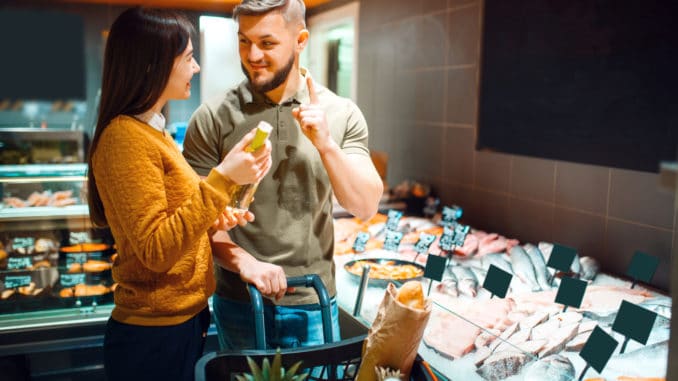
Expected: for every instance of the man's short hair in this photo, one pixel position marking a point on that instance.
(291, 10)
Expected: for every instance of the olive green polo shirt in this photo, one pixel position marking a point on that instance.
(293, 227)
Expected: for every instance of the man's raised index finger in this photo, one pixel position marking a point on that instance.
(311, 90)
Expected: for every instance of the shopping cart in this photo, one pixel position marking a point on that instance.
(332, 361)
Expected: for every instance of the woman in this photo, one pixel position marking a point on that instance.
(159, 211)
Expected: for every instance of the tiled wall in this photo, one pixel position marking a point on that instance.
(418, 87)
(97, 18)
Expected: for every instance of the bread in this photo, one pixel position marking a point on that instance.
(411, 294)
(90, 290)
(94, 266)
(4, 258)
(75, 268)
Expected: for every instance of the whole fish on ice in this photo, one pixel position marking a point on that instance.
(539, 264)
(523, 268)
(466, 281)
(552, 368)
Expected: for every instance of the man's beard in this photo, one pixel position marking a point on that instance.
(278, 77)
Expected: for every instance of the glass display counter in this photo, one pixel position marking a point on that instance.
(473, 335)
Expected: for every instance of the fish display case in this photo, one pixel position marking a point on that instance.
(525, 335)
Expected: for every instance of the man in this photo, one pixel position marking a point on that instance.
(319, 147)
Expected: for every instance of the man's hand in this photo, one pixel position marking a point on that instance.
(311, 118)
(269, 279)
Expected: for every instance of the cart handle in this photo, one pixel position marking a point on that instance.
(309, 280)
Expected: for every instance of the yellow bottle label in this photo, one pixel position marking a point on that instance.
(263, 130)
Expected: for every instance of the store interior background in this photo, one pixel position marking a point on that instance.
(417, 84)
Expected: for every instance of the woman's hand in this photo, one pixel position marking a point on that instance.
(230, 218)
(243, 167)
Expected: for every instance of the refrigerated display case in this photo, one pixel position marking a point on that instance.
(473, 335)
(55, 277)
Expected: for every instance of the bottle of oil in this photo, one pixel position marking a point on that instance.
(243, 195)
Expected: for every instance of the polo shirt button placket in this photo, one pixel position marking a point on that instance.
(282, 131)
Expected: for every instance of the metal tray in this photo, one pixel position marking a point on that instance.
(382, 281)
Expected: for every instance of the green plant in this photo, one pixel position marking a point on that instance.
(272, 372)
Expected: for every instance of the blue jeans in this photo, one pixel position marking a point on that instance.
(286, 326)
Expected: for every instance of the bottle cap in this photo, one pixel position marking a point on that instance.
(263, 130)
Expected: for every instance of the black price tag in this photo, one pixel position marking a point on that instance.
(634, 322)
(642, 267)
(424, 242)
(447, 239)
(571, 292)
(598, 349)
(360, 242)
(72, 258)
(19, 263)
(451, 214)
(435, 267)
(392, 240)
(17, 281)
(393, 220)
(561, 257)
(497, 281)
(70, 280)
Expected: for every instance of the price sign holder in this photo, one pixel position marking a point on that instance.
(19, 263)
(561, 258)
(16, 281)
(450, 215)
(447, 239)
(597, 351)
(642, 267)
(435, 268)
(392, 240)
(497, 281)
(571, 292)
(424, 243)
(393, 220)
(431, 207)
(70, 280)
(72, 258)
(360, 242)
(634, 322)
(460, 232)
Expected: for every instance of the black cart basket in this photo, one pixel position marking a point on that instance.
(330, 361)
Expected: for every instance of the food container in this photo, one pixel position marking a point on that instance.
(384, 270)
(26, 289)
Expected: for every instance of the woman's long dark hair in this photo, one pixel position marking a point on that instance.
(140, 52)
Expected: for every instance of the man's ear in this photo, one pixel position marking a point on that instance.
(302, 39)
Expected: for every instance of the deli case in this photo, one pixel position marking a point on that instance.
(55, 270)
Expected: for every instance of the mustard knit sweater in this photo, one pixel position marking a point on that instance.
(159, 212)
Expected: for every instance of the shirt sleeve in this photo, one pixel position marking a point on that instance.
(130, 177)
(356, 137)
(201, 144)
